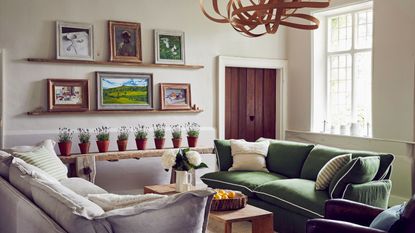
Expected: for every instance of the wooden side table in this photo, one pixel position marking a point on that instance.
(262, 220)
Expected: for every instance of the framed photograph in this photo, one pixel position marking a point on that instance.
(175, 96)
(169, 47)
(74, 41)
(68, 95)
(125, 41)
(124, 91)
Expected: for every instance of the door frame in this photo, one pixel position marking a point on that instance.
(261, 63)
(2, 77)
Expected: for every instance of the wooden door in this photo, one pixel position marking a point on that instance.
(250, 96)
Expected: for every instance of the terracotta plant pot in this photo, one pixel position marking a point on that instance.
(65, 148)
(159, 143)
(177, 142)
(122, 145)
(192, 141)
(141, 144)
(84, 147)
(103, 146)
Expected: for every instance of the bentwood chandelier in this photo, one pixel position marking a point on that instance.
(255, 18)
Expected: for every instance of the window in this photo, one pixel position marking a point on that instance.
(345, 71)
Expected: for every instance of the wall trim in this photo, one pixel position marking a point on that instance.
(264, 63)
(2, 77)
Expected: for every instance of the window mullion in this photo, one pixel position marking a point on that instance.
(352, 53)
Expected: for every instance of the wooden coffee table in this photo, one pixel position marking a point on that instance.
(262, 220)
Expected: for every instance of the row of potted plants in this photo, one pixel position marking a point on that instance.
(102, 135)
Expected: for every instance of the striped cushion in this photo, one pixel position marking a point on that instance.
(330, 169)
(44, 159)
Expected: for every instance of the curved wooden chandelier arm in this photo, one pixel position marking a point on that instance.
(267, 13)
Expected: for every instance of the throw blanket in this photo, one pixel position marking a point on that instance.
(110, 201)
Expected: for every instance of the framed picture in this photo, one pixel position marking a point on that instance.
(68, 95)
(169, 47)
(125, 41)
(124, 91)
(175, 96)
(74, 41)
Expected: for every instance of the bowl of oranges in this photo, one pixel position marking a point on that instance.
(228, 200)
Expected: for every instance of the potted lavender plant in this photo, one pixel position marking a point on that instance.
(141, 133)
(65, 141)
(159, 131)
(103, 138)
(123, 133)
(193, 130)
(84, 144)
(176, 134)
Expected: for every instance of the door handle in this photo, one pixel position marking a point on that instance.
(252, 118)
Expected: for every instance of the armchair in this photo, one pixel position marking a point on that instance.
(344, 216)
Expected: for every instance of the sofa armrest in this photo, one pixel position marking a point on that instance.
(349, 211)
(330, 226)
(374, 193)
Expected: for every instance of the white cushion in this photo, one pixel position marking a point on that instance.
(330, 169)
(249, 156)
(70, 210)
(21, 174)
(5, 161)
(45, 158)
(81, 186)
(110, 201)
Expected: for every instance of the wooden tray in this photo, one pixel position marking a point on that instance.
(238, 202)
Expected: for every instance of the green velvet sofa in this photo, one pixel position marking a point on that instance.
(288, 190)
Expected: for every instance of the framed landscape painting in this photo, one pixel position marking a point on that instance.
(125, 41)
(124, 91)
(67, 95)
(175, 96)
(74, 41)
(169, 47)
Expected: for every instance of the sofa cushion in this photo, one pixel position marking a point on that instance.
(330, 169)
(5, 161)
(244, 182)
(249, 156)
(81, 186)
(110, 201)
(223, 154)
(385, 164)
(317, 158)
(297, 195)
(286, 157)
(358, 171)
(180, 213)
(72, 211)
(45, 158)
(21, 175)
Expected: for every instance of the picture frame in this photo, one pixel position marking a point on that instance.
(124, 91)
(175, 96)
(169, 47)
(125, 41)
(68, 95)
(74, 41)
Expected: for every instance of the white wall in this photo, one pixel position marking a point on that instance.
(27, 29)
(393, 88)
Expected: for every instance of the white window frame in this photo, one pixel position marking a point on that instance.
(323, 16)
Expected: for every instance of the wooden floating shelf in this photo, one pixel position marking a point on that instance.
(92, 112)
(109, 63)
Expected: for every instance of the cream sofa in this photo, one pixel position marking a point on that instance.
(30, 203)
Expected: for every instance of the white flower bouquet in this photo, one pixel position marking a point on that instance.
(182, 160)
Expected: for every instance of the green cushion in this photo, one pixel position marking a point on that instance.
(297, 195)
(243, 181)
(358, 171)
(374, 193)
(317, 158)
(223, 154)
(287, 158)
(385, 162)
